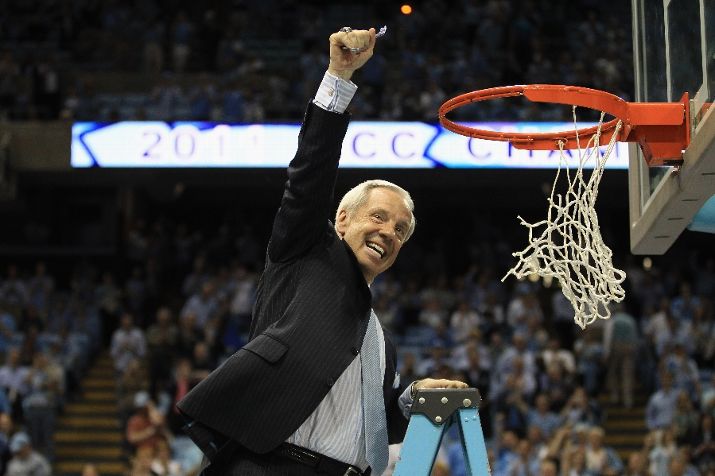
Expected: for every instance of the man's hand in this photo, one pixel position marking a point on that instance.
(343, 62)
(438, 383)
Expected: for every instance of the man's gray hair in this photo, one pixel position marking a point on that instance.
(357, 196)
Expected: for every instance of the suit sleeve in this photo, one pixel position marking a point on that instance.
(396, 421)
(308, 196)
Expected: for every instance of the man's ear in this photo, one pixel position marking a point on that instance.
(341, 224)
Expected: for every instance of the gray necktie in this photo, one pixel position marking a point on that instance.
(373, 405)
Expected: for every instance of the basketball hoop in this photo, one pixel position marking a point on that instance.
(567, 245)
(661, 129)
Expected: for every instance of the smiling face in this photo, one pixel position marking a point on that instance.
(376, 231)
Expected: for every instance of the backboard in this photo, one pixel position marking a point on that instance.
(674, 52)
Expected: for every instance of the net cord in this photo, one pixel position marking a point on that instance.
(570, 247)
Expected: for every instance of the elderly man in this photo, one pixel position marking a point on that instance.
(316, 391)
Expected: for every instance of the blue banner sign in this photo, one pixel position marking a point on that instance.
(398, 145)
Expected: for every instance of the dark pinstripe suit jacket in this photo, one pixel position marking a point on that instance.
(310, 315)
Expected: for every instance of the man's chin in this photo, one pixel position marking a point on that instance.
(369, 269)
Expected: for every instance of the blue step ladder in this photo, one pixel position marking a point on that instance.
(433, 412)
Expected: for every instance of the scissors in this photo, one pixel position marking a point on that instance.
(347, 29)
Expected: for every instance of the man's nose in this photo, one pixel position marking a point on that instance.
(387, 231)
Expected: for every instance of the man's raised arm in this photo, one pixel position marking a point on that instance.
(308, 196)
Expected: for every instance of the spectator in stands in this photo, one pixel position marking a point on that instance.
(142, 462)
(637, 464)
(202, 361)
(554, 352)
(153, 51)
(193, 281)
(163, 464)
(5, 405)
(108, 296)
(661, 450)
(408, 370)
(146, 426)
(25, 460)
(475, 372)
(6, 430)
(135, 292)
(548, 467)
(182, 32)
(703, 444)
(436, 360)
(680, 466)
(620, 344)
(388, 311)
(512, 409)
(581, 409)
(41, 403)
(685, 305)
(13, 291)
(537, 440)
(162, 339)
(661, 405)
(184, 379)
(599, 458)
(242, 289)
(707, 395)
(557, 385)
(517, 351)
(655, 325)
(7, 331)
(189, 335)
(15, 379)
(202, 305)
(463, 320)
(573, 461)
(522, 307)
(432, 313)
(683, 369)
(90, 470)
(506, 455)
(128, 343)
(685, 419)
(40, 287)
(542, 417)
(492, 312)
(133, 380)
(703, 329)
(589, 352)
(524, 463)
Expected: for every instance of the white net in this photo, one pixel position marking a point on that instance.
(568, 246)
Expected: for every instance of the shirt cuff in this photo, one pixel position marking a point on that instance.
(405, 401)
(334, 94)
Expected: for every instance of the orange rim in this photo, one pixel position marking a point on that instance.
(641, 122)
